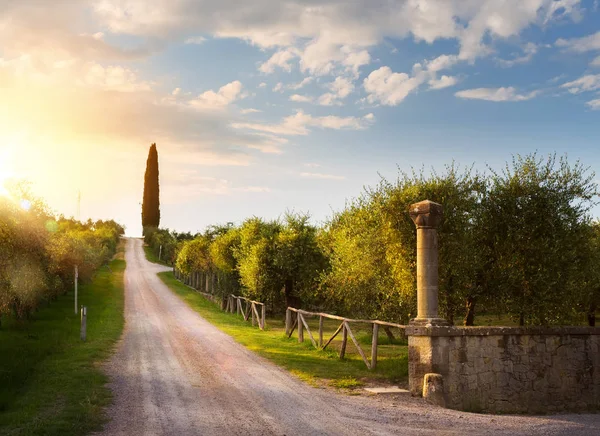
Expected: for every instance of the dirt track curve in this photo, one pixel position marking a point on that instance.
(176, 374)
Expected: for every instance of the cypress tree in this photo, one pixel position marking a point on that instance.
(151, 204)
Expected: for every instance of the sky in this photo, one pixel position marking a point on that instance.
(268, 106)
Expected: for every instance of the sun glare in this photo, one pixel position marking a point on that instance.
(6, 167)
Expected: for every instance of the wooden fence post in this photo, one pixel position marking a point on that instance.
(288, 320)
(344, 340)
(252, 310)
(374, 343)
(300, 327)
(320, 331)
(83, 333)
(263, 316)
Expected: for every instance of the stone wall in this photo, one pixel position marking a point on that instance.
(509, 370)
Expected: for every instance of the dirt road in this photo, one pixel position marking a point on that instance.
(176, 374)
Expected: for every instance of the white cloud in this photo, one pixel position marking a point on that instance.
(529, 50)
(184, 184)
(356, 59)
(595, 62)
(312, 165)
(285, 22)
(250, 111)
(195, 40)
(300, 123)
(321, 176)
(340, 88)
(262, 85)
(324, 54)
(301, 84)
(581, 45)
(278, 87)
(327, 37)
(443, 82)
(588, 82)
(301, 98)
(114, 78)
(176, 92)
(390, 88)
(594, 104)
(495, 94)
(214, 100)
(328, 99)
(252, 189)
(442, 62)
(281, 59)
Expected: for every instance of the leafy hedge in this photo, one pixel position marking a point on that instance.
(38, 252)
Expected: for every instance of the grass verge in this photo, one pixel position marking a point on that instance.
(151, 257)
(50, 381)
(316, 367)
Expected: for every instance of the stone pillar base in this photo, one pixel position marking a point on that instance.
(428, 322)
(427, 352)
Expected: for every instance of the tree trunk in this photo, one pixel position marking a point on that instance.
(591, 315)
(289, 289)
(389, 333)
(470, 306)
(522, 319)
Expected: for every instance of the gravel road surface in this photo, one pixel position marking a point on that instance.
(176, 374)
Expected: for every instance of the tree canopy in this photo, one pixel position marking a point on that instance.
(518, 243)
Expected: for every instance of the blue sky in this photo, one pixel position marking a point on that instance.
(266, 106)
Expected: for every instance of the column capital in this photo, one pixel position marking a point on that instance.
(426, 214)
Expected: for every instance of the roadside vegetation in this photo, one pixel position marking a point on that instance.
(319, 368)
(40, 252)
(517, 247)
(50, 381)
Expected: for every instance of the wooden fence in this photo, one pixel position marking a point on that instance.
(246, 308)
(291, 322)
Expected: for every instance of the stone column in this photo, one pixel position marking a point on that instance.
(427, 352)
(427, 216)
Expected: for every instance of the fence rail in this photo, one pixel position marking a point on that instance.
(292, 322)
(246, 308)
(255, 311)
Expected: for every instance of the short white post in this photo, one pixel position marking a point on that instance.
(159, 252)
(83, 333)
(76, 278)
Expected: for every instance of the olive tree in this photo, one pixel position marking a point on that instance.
(372, 246)
(533, 227)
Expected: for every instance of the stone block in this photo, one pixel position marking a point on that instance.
(433, 389)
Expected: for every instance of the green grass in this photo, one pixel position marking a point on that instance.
(346, 383)
(51, 382)
(319, 368)
(151, 257)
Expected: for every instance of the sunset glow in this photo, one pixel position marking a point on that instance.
(297, 110)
